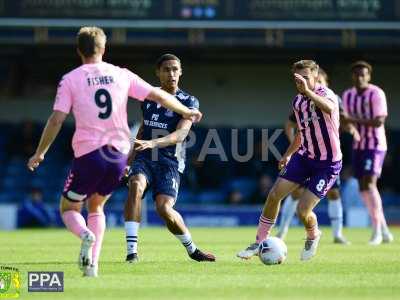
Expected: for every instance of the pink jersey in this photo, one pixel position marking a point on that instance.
(369, 104)
(98, 95)
(319, 130)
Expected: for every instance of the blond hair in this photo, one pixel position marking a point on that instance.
(304, 64)
(91, 40)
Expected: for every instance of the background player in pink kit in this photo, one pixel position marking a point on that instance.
(366, 107)
(313, 160)
(97, 94)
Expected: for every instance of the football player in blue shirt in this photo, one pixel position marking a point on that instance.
(159, 161)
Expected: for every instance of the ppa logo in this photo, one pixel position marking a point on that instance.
(45, 281)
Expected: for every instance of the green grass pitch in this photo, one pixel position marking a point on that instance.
(164, 272)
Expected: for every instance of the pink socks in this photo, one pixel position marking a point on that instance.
(264, 228)
(75, 222)
(373, 203)
(97, 225)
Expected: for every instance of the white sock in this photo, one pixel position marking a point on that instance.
(377, 231)
(287, 213)
(131, 230)
(384, 226)
(385, 229)
(186, 240)
(335, 213)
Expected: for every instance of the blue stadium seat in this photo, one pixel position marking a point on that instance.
(119, 196)
(390, 199)
(39, 182)
(51, 195)
(211, 197)
(16, 166)
(185, 196)
(13, 183)
(245, 185)
(10, 196)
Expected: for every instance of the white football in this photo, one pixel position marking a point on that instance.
(272, 251)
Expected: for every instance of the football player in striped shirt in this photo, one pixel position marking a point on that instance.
(366, 107)
(313, 160)
(335, 208)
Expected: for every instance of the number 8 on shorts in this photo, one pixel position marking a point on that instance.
(320, 186)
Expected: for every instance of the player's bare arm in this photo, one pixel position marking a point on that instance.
(374, 122)
(178, 136)
(351, 129)
(323, 103)
(347, 126)
(49, 134)
(169, 101)
(293, 147)
(132, 152)
(290, 130)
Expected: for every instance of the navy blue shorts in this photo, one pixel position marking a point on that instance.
(163, 177)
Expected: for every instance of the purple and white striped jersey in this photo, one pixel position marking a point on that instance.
(319, 130)
(371, 103)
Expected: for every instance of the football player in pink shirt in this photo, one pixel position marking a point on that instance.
(366, 107)
(335, 209)
(97, 94)
(313, 160)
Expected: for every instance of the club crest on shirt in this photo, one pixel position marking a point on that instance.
(169, 113)
(148, 105)
(312, 107)
(181, 96)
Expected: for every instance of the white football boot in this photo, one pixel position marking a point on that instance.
(310, 248)
(91, 271)
(387, 237)
(249, 252)
(85, 255)
(341, 240)
(376, 238)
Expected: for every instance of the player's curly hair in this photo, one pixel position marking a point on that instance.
(305, 63)
(361, 64)
(165, 57)
(91, 40)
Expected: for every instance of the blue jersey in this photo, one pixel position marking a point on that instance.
(159, 121)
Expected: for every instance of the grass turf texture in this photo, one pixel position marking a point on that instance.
(164, 272)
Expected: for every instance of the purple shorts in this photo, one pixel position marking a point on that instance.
(368, 162)
(336, 184)
(317, 176)
(99, 171)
